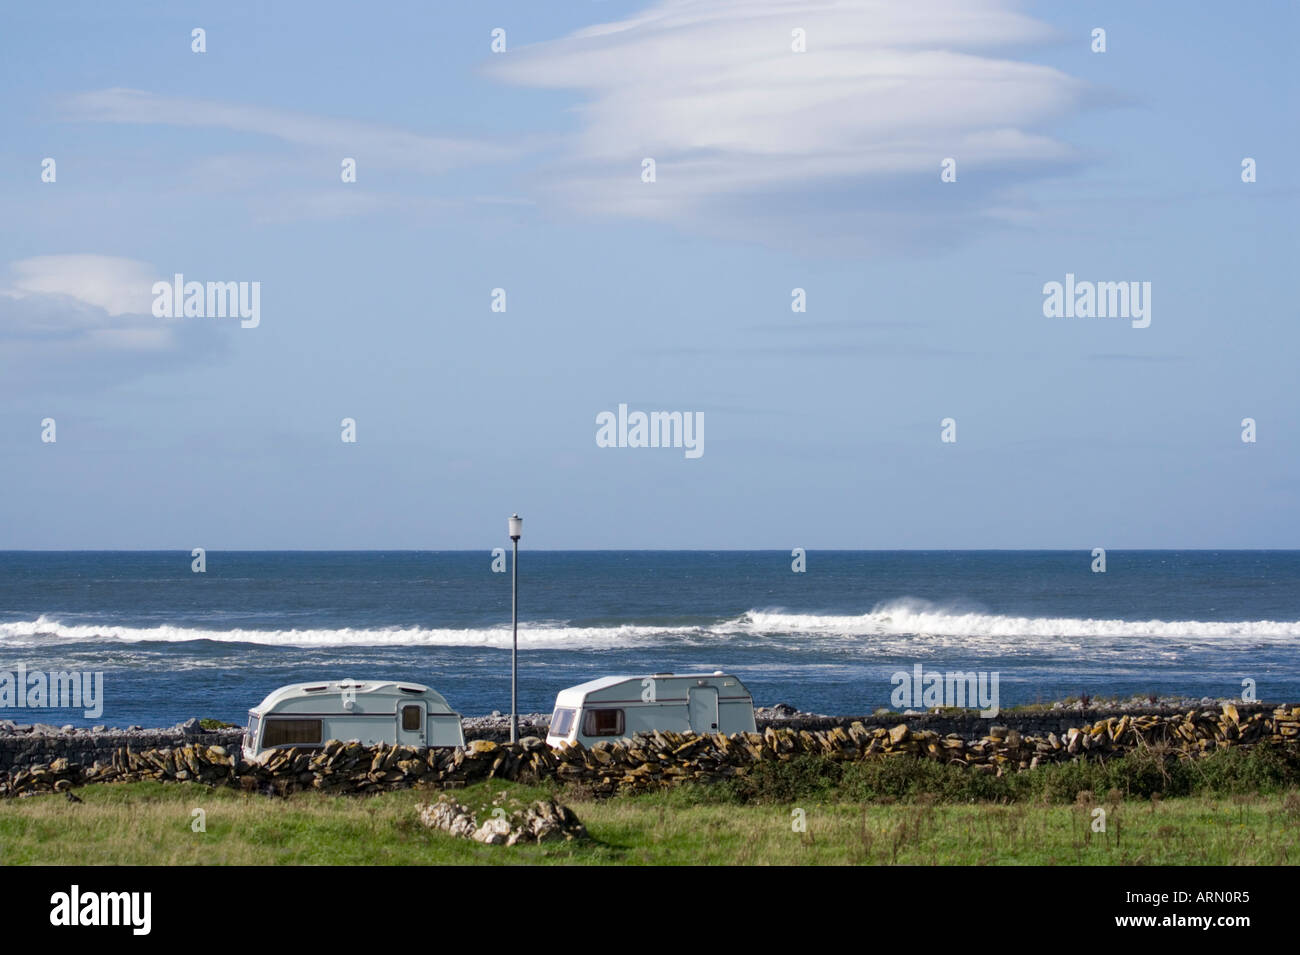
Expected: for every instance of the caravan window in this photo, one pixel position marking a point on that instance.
(411, 717)
(562, 721)
(602, 723)
(281, 732)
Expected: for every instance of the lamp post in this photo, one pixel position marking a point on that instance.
(516, 527)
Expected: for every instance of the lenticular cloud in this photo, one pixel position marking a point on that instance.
(735, 119)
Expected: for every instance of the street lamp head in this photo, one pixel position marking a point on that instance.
(516, 527)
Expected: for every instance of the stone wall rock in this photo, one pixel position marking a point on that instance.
(19, 750)
(543, 821)
(653, 760)
(29, 747)
(42, 744)
(1028, 722)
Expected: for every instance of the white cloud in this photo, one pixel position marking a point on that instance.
(743, 130)
(85, 322)
(58, 307)
(116, 285)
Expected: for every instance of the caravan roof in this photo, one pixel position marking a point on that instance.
(364, 691)
(593, 688)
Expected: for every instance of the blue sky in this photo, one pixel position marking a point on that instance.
(774, 170)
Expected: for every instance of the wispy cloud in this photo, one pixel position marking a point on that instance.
(378, 145)
(1113, 356)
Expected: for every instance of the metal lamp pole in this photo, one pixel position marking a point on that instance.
(516, 526)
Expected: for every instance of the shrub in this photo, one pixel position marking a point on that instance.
(1141, 774)
(1253, 769)
(803, 777)
(906, 778)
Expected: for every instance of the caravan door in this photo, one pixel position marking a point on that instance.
(411, 721)
(703, 706)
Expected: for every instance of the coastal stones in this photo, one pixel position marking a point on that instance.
(450, 816)
(543, 821)
(549, 821)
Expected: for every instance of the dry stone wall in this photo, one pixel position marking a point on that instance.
(28, 748)
(654, 760)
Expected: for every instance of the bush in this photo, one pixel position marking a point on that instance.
(1140, 774)
(908, 778)
(1237, 770)
(803, 777)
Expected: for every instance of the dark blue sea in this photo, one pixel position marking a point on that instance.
(172, 643)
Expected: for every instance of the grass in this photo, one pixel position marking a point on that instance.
(152, 823)
(1252, 830)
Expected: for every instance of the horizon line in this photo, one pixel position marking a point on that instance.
(634, 550)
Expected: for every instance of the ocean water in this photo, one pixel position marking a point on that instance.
(172, 644)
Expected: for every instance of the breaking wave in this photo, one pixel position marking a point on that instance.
(45, 630)
(894, 623)
(908, 616)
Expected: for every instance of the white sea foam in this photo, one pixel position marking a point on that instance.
(899, 626)
(916, 617)
(45, 630)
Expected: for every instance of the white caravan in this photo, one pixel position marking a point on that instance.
(367, 711)
(614, 707)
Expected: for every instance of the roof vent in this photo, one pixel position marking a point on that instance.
(313, 689)
(410, 689)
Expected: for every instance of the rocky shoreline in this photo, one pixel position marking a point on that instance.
(191, 727)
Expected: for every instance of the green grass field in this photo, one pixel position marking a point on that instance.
(151, 823)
